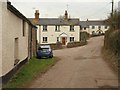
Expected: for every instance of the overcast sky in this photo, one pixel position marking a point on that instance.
(83, 9)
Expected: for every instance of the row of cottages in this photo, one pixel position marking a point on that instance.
(17, 39)
(52, 30)
(64, 30)
(94, 27)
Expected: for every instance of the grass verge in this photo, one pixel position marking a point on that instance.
(30, 71)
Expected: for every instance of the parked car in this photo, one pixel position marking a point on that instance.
(45, 51)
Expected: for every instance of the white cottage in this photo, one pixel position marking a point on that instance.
(94, 26)
(51, 30)
(15, 39)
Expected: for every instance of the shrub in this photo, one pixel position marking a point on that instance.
(112, 41)
(84, 36)
(112, 47)
(76, 44)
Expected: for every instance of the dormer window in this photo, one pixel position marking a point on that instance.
(71, 28)
(57, 28)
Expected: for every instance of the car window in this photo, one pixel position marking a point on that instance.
(39, 48)
(44, 49)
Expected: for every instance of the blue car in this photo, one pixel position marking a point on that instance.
(44, 51)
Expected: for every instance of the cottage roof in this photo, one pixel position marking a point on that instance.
(57, 21)
(91, 22)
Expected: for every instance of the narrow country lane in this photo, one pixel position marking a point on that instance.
(80, 67)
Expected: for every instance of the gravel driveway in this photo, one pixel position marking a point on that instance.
(80, 67)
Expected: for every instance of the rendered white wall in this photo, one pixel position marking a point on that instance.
(90, 30)
(12, 28)
(52, 34)
(96, 29)
(0, 39)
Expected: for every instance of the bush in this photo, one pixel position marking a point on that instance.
(112, 47)
(84, 36)
(112, 41)
(76, 44)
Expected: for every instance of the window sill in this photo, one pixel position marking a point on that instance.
(57, 31)
(44, 42)
(72, 31)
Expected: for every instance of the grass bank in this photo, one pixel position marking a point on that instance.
(111, 59)
(111, 50)
(35, 67)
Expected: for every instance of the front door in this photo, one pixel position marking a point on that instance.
(63, 40)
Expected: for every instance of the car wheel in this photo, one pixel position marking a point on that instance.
(51, 56)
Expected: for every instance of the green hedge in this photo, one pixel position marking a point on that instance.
(76, 44)
(112, 41)
(112, 47)
(84, 36)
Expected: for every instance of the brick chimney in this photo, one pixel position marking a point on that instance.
(66, 15)
(36, 16)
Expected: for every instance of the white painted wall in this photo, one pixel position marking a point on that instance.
(90, 30)
(96, 29)
(12, 28)
(0, 39)
(52, 34)
(38, 34)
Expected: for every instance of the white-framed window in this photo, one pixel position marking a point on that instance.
(106, 27)
(71, 28)
(57, 39)
(71, 39)
(84, 28)
(57, 28)
(93, 27)
(45, 39)
(24, 28)
(99, 27)
(44, 27)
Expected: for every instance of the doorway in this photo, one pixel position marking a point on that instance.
(63, 41)
(16, 51)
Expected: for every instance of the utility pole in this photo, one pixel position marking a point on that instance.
(67, 6)
(112, 7)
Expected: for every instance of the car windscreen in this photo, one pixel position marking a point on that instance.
(44, 49)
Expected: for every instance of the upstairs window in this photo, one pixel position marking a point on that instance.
(57, 39)
(23, 28)
(45, 39)
(99, 27)
(45, 28)
(80, 28)
(93, 27)
(71, 39)
(71, 28)
(106, 27)
(57, 28)
(84, 28)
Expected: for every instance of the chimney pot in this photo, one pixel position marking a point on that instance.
(36, 16)
(66, 15)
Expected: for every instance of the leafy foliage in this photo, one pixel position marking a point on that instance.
(114, 20)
